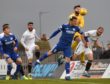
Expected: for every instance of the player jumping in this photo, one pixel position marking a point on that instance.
(92, 39)
(93, 36)
(64, 44)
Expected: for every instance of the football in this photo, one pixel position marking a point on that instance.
(83, 11)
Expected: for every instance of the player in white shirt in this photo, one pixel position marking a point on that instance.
(92, 38)
(28, 41)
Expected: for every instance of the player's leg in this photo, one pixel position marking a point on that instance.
(79, 50)
(67, 54)
(43, 57)
(82, 58)
(11, 67)
(29, 55)
(67, 68)
(37, 51)
(20, 68)
(55, 49)
(30, 68)
(89, 54)
(74, 57)
(73, 46)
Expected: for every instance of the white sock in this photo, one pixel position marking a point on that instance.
(67, 74)
(14, 67)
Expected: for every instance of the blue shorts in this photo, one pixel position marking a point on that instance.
(14, 56)
(66, 50)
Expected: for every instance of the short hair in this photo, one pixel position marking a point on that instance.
(100, 28)
(73, 18)
(5, 26)
(76, 6)
(30, 23)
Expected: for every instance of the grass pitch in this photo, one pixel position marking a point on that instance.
(57, 81)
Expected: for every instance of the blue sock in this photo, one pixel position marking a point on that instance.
(67, 67)
(43, 57)
(9, 67)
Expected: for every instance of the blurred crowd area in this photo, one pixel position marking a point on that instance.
(102, 53)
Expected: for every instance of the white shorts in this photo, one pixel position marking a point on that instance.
(80, 48)
(88, 51)
(29, 53)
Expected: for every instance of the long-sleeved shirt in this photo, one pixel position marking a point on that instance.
(92, 35)
(8, 43)
(28, 38)
(67, 33)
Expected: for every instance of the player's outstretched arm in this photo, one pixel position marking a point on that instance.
(55, 33)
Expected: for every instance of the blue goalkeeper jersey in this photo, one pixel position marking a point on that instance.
(67, 34)
(8, 43)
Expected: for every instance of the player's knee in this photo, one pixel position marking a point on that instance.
(74, 56)
(9, 61)
(77, 39)
(30, 60)
(37, 47)
(67, 59)
(49, 53)
(19, 61)
(90, 57)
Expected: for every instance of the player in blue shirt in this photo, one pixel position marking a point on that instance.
(64, 44)
(9, 49)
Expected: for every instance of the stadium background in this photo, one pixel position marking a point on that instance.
(54, 12)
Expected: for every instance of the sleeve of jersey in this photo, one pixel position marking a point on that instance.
(23, 40)
(16, 41)
(89, 33)
(56, 32)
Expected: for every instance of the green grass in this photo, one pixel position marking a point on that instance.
(57, 81)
